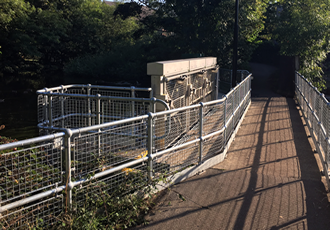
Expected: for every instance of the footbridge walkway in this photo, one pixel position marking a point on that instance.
(270, 178)
(111, 138)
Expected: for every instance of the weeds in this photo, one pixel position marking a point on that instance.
(118, 208)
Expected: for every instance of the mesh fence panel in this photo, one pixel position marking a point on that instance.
(75, 112)
(213, 146)
(118, 184)
(98, 151)
(41, 215)
(213, 118)
(112, 93)
(28, 170)
(176, 128)
(176, 160)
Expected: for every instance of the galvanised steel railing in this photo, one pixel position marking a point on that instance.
(41, 177)
(75, 106)
(225, 79)
(315, 108)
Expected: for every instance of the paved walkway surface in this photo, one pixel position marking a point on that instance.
(269, 180)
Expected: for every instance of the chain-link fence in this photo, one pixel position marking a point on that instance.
(315, 108)
(42, 177)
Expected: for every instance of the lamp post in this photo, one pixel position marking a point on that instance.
(234, 73)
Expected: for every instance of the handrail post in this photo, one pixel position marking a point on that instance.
(150, 145)
(89, 105)
(217, 85)
(201, 115)
(50, 108)
(133, 103)
(62, 107)
(98, 120)
(225, 118)
(67, 152)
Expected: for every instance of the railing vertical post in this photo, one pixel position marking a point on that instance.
(217, 85)
(89, 105)
(150, 144)
(98, 120)
(50, 108)
(133, 110)
(67, 152)
(201, 116)
(224, 119)
(62, 107)
(133, 103)
(327, 160)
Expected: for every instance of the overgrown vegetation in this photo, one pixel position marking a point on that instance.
(103, 207)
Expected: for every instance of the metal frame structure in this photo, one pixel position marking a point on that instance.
(316, 111)
(75, 106)
(41, 177)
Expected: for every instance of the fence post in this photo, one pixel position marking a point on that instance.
(133, 103)
(67, 152)
(217, 85)
(62, 107)
(201, 116)
(89, 105)
(150, 144)
(225, 118)
(50, 108)
(98, 120)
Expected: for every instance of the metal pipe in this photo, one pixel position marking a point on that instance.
(30, 141)
(150, 144)
(28, 200)
(201, 117)
(67, 152)
(62, 107)
(89, 111)
(93, 87)
(98, 121)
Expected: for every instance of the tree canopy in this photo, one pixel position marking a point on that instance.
(41, 38)
(302, 29)
(38, 37)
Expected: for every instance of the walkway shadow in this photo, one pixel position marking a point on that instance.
(269, 180)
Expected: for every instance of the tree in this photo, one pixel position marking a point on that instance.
(302, 29)
(199, 27)
(38, 37)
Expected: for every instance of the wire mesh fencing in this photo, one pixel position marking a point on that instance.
(315, 108)
(43, 177)
(76, 106)
(27, 169)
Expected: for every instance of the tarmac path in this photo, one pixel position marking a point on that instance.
(269, 180)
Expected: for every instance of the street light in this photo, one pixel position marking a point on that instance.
(234, 73)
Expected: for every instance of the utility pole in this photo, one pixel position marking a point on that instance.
(234, 73)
